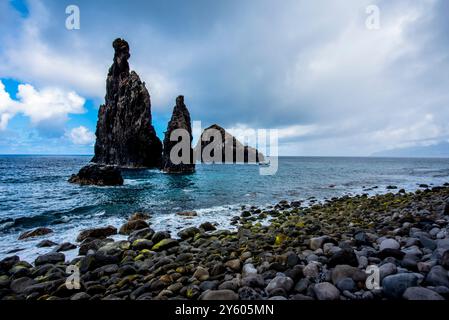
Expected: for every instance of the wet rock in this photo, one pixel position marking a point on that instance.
(438, 276)
(98, 233)
(394, 286)
(133, 225)
(20, 285)
(247, 293)
(311, 270)
(139, 216)
(146, 233)
(142, 244)
(8, 262)
(165, 244)
(46, 244)
(326, 291)
(160, 235)
(52, 258)
(234, 264)
(253, 281)
(317, 243)
(80, 296)
(180, 120)
(389, 244)
(345, 256)
(35, 233)
(280, 282)
(219, 295)
(345, 271)
(395, 253)
(361, 238)
(188, 233)
(201, 274)
(100, 175)
(187, 214)
(125, 134)
(66, 246)
(420, 293)
(387, 269)
(346, 284)
(207, 226)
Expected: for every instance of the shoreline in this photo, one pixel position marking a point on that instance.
(320, 252)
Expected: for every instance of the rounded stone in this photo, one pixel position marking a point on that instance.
(326, 291)
(389, 244)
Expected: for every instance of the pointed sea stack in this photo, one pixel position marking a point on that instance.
(125, 135)
(180, 120)
(229, 145)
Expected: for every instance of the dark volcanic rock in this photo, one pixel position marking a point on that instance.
(35, 233)
(98, 233)
(125, 135)
(180, 120)
(98, 175)
(216, 139)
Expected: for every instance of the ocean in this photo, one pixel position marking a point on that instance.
(34, 192)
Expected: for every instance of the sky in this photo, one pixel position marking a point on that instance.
(312, 70)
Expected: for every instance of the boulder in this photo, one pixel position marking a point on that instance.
(438, 276)
(46, 243)
(420, 293)
(97, 233)
(345, 256)
(165, 244)
(326, 291)
(389, 244)
(139, 216)
(49, 258)
(35, 233)
(280, 282)
(133, 225)
(179, 123)
(125, 134)
(219, 295)
(66, 246)
(394, 286)
(188, 233)
(187, 213)
(100, 175)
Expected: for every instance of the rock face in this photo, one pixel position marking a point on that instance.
(232, 150)
(180, 120)
(125, 135)
(100, 175)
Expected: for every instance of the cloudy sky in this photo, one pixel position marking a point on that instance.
(310, 69)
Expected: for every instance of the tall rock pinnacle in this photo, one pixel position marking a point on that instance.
(125, 135)
(180, 120)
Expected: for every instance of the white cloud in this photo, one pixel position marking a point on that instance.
(45, 106)
(49, 103)
(82, 136)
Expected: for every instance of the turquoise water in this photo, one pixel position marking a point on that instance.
(34, 191)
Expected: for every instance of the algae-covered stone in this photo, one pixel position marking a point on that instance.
(165, 244)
